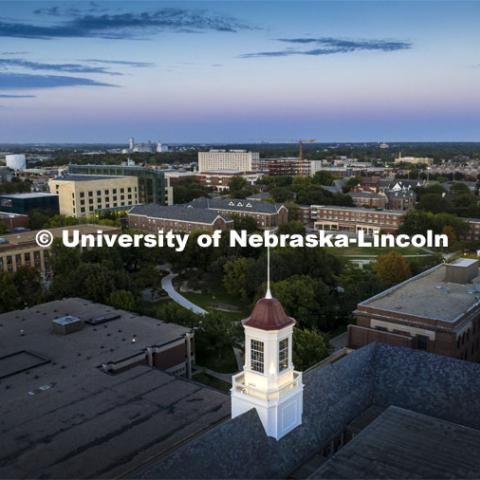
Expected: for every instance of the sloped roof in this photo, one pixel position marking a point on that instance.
(177, 212)
(334, 395)
(235, 205)
(268, 314)
(394, 446)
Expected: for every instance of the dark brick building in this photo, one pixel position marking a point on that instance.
(437, 311)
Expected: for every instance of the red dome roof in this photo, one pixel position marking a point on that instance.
(268, 314)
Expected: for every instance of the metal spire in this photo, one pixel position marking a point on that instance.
(269, 293)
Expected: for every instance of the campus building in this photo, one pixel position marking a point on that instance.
(380, 412)
(285, 166)
(266, 215)
(233, 160)
(368, 199)
(14, 221)
(437, 311)
(401, 199)
(26, 202)
(152, 185)
(87, 195)
(473, 233)
(153, 218)
(427, 161)
(331, 217)
(90, 391)
(21, 249)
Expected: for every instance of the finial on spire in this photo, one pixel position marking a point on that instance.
(269, 293)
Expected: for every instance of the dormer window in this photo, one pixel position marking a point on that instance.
(256, 356)
(283, 355)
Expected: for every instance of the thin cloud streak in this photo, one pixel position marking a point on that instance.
(24, 81)
(56, 67)
(126, 63)
(331, 46)
(125, 25)
(17, 96)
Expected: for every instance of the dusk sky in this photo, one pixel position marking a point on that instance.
(239, 71)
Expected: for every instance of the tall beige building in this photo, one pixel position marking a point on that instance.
(84, 195)
(232, 160)
(414, 160)
(21, 249)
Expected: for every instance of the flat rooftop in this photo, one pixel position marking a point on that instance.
(427, 296)
(29, 195)
(85, 178)
(62, 416)
(402, 444)
(17, 239)
(362, 210)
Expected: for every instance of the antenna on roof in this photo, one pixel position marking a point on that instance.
(269, 293)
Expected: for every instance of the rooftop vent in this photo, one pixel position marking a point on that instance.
(67, 324)
(108, 317)
(461, 271)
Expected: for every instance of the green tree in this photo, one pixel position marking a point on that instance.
(122, 299)
(323, 178)
(291, 227)
(236, 279)
(28, 284)
(303, 297)
(358, 285)
(171, 312)
(244, 223)
(3, 228)
(9, 295)
(38, 218)
(309, 348)
(433, 202)
(62, 259)
(416, 221)
(238, 186)
(392, 268)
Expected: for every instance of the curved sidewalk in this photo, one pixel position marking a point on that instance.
(167, 285)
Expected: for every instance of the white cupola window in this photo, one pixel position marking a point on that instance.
(283, 354)
(257, 360)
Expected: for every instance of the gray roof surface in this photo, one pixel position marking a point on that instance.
(28, 195)
(235, 205)
(398, 213)
(427, 295)
(84, 178)
(68, 419)
(365, 195)
(403, 444)
(177, 212)
(334, 395)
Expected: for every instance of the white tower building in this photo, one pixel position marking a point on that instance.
(16, 162)
(269, 382)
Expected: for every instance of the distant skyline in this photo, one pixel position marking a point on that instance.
(214, 72)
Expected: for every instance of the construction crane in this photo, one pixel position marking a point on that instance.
(300, 146)
(301, 160)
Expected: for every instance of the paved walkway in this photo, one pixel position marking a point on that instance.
(167, 285)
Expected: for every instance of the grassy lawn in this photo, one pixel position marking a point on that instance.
(217, 300)
(373, 251)
(212, 382)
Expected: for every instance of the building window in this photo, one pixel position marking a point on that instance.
(256, 356)
(422, 342)
(283, 355)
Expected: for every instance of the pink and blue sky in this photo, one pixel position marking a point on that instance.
(245, 71)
